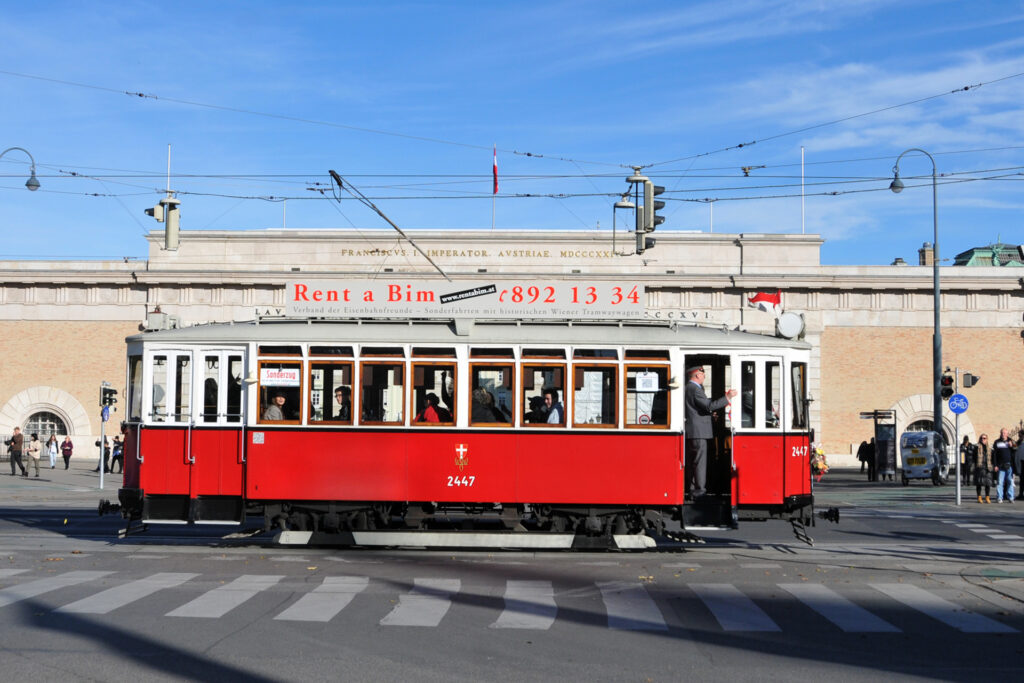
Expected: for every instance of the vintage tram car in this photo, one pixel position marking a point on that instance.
(460, 433)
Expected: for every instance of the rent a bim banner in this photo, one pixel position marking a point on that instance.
(384, 298)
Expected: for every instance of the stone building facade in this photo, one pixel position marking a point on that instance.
(63, 323)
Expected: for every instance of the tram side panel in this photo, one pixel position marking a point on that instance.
(759, 468)
(325, 466)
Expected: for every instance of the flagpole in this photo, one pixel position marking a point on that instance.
(494, 192)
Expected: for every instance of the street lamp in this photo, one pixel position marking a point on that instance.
(897, 186)
(32, 183)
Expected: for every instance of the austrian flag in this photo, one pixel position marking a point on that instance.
(769, 303)
(495, 170)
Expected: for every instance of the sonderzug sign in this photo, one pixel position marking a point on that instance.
(385, 298)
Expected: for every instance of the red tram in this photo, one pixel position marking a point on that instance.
(442, 433)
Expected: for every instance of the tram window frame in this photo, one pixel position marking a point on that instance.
(432, 352)
(210, 392)
(420, 390)
(664, 371)
(183, 405)
(328, 397)
(646, 355)
(798, 379)
(748, 397)
(608, 394)
(529, 384)
(265, 392)
(363, 384)
(541, 353)
(486, 352)
(235, 396)
(508, 383)
(342, 351)
(135, 387)
(158, 364)
(382, 352)
(773, 385)
(595, 354)
(279, 350)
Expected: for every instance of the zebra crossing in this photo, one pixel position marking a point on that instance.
(526, 605)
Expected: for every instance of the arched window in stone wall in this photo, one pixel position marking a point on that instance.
(45, 424)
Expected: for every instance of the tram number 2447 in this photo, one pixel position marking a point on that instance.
(799, 452)
(460, 481)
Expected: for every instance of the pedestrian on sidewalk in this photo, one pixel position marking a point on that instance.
(1002, 459)
(966, 459)
(34, 447)
(862, 455)
(118, 457)
(15, 446)
(983, 468)
(872, 463)
(66, 449)
(51, 450)
(104, 455)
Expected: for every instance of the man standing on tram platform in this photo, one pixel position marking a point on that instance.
(698, 426)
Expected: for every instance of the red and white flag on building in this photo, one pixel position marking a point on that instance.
(495, 170)
(767, 302)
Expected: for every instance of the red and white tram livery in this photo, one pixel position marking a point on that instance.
(552, 434)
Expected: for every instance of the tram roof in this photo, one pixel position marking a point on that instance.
(476, 332)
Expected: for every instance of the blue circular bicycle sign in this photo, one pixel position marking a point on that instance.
(958, 403)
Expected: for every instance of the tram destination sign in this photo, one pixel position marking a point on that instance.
(514, 299)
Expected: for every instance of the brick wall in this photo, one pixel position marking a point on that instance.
(867, 368)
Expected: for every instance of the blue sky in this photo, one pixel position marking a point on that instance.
(405, 100)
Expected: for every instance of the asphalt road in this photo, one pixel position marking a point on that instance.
(907, 585)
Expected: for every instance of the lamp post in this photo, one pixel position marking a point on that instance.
(32, 183)
(897, 186)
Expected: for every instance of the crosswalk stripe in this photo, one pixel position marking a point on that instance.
(51, 583)
(630, 607)
(528, 605)
(223, 599)
(119, 596)
(733, 610)
(326, 600)
(837, 609)
(4, 573)
(424, 605)
(943, 610)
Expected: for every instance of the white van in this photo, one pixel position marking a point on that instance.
(923, 456)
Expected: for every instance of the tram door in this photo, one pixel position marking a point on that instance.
(216, 449)
(758, 433)
(164, 441)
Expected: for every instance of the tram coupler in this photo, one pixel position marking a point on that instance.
(829, 515)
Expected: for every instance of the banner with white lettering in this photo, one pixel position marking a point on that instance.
(385, 298)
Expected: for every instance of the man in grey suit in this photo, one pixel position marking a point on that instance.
(698, 426)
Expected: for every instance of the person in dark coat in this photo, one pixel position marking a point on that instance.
(983, 469)
(698, 426)
(862, 455)
(872, 465)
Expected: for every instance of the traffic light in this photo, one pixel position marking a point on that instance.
(108, 396)
(652, 206)
(970, 380)
(167, 211)
(947, 386)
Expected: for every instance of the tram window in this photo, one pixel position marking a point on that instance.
(279, 350)
(211, 375)
(748, 378)
(280, 391)
(544, 395)
(543, 353)
(330, 392)
(491, 353)
(427, 352)
(183, 384)
(383, 393)
(594, 395)
(159, 413)
(135, 388)
(234, 388)
(799, 374)
(396, 351)
(646, 354)
(433, 393)
(330, 351)
(647, 396)
(609, 354)
(772, 394)
(491, 387)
